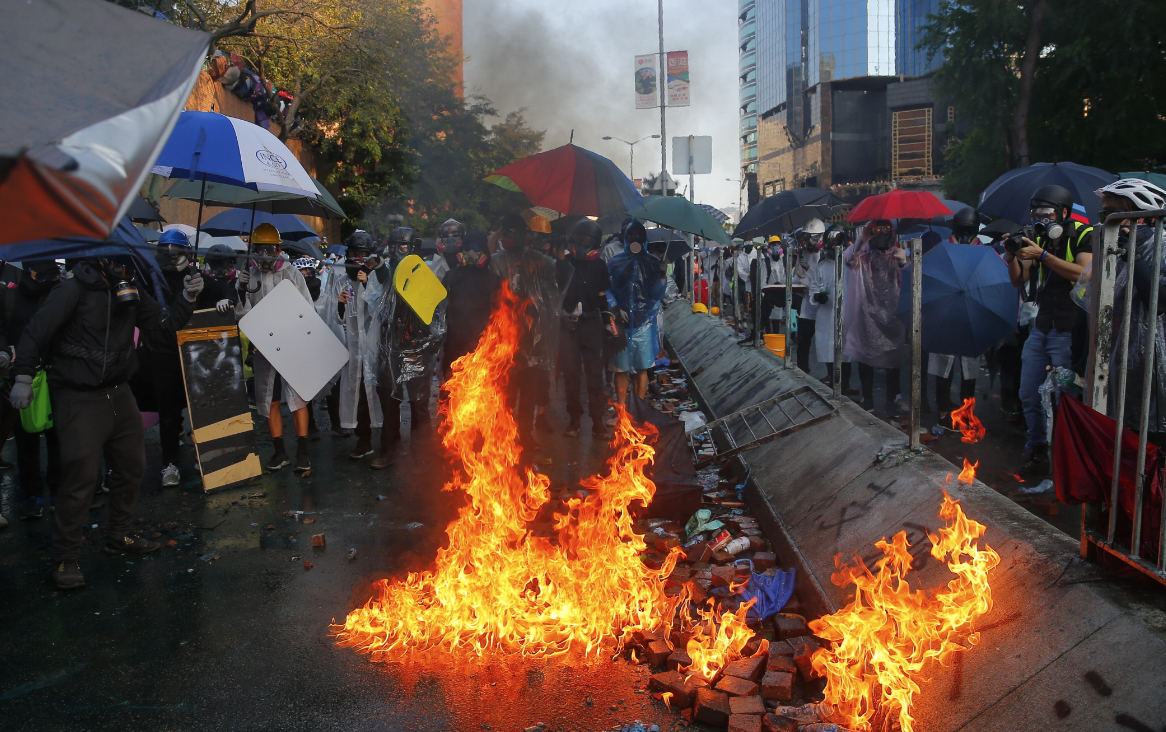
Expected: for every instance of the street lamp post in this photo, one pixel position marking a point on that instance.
(631, 152)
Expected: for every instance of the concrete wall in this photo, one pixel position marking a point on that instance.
(1064, 648)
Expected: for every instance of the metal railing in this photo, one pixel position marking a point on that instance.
(1104, 312)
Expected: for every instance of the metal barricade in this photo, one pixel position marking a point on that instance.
(1104, 312)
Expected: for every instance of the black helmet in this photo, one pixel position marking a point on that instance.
(403, 241)
(1058, 197)
(586, 234)
(965, 224)
(835, 235)
(360, 240)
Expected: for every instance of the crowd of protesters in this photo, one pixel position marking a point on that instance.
(1047, 264)
(100, 338)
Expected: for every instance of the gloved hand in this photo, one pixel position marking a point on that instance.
(21, 396)
(623, 316)
(821, 298)
(193, 285)
(900, 256)
(223, 305)
(243, 277)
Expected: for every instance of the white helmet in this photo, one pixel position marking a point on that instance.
(1145, 195)
(814, 226)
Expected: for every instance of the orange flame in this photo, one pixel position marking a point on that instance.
(716, 640)
(968, 474)
(964, 419)
(498, 586)
(889, 632)
(667, 697)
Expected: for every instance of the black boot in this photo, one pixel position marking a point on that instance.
(1037, 465)
(303, 465)
(280, 458)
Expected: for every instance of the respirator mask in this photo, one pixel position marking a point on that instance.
(882, 236)
(1045, 224)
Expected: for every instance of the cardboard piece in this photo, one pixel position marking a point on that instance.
(216, 397)
(419, 287)
(285, 328)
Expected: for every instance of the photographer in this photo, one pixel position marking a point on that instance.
(1048, 257)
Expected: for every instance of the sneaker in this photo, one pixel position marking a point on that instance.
(892, 410)
(68, 576)
(573, 428)
(868, 405)
(382, 461)
(341, 433)
(278, 460)
(130, 544)
(1031, 490)
(601, 432)
(362, 450)
(303, 465)
(314, 435)
(170, 477)
(34, 508)
(1037, 465)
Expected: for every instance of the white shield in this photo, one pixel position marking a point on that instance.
(285, 328)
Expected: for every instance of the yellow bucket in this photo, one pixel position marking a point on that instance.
(775, 342)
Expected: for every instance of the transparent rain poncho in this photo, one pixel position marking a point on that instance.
(353, 330)
(400, 348)
(531, 276)
(1139, 335)
(637, 285)
(872, 333)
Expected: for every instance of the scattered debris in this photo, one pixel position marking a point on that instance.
(308, 565)
(380, 498)
(171, 543)
(351, 554)
(309, 521)
(318, 540)
(414, 525)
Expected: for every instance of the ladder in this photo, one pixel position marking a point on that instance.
(761, 423)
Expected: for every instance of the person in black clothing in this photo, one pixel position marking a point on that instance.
(584, 278)
(17, 306)
(472, 286)
(160, 360)
(84, 334)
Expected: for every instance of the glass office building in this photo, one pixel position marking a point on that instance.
(747, 44)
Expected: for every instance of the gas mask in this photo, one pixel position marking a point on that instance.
(810, 243)
(472, 254)
(172, 258)
(512, 239)
(584, 248)
(354, 259)
(120, 275)
(1045, 223)
(267, 257)
(449, 237)
(882, 236)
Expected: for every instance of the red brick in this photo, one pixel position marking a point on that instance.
(699, 554)
(734, 686)
(702, 574)
(764, 560)
(756, 544)
(679, 576)
(793, 606)
(751, 531)
(751, 646)
(788, 626)
(782, 663)
(658, 652)
(653, 560)
(781, 648)
(319, 540)
(686, 715)
(744, 723)
(677, 659)
(778, 723)
(723, 557)
(666, 543)
(777, 685)
(746, 668)
(746, 705)
(683, 693)
(673, 590)
(722, 576)
(803, 640)
(803, 657)
(699, 591)
(662, 681)
(711, 707)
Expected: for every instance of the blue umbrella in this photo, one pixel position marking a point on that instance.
(238, 222)
(1008, 196)
(339, 249)
(968, 301)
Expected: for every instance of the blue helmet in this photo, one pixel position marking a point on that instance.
(174, 237)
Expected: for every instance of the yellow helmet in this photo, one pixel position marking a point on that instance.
(775, 239)
(699, 308)
(266, 234)
(540, 224)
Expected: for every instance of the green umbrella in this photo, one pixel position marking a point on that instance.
(1157, 179)
(273, 202)
(682, 215)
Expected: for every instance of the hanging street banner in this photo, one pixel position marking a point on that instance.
(678, 79)
(647, 93)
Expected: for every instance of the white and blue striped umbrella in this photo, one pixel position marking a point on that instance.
(220, 149)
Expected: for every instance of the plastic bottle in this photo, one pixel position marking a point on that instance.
(738, 545)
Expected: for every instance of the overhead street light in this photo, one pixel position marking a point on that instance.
(632, 151)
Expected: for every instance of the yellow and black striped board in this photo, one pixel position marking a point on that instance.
(216, 395)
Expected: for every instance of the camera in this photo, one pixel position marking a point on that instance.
(1014, 243)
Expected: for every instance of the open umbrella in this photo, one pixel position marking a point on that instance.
(238, 222)
(1008, 196)
(682, 215)
(79, 130)
(303, 248)
(147, 233)
(792, 220)
(715, 212)
(677, 244)
(968, 301)
(899, 204)
(275, 202)
(1000, 226)
(1157, 179)
(613, 223)
(142, 211)
(570, 180)
(770, 210)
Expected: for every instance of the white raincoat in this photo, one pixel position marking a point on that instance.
(352, 332)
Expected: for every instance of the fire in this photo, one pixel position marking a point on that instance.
(498, 586)
(964, 419)
(716, 640)
(889, 632)
(968, 474)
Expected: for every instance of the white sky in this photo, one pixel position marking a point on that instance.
(570, 64)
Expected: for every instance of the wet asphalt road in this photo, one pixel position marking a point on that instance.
(228, 630)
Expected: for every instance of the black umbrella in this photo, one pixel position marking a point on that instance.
(771, 209)
(677, 243)
(1000, 226)
(1009, 195)
(141, 212)
(612, 223)
(302, 249)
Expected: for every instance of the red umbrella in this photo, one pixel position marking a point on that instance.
(570, 180)
(899, 204)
